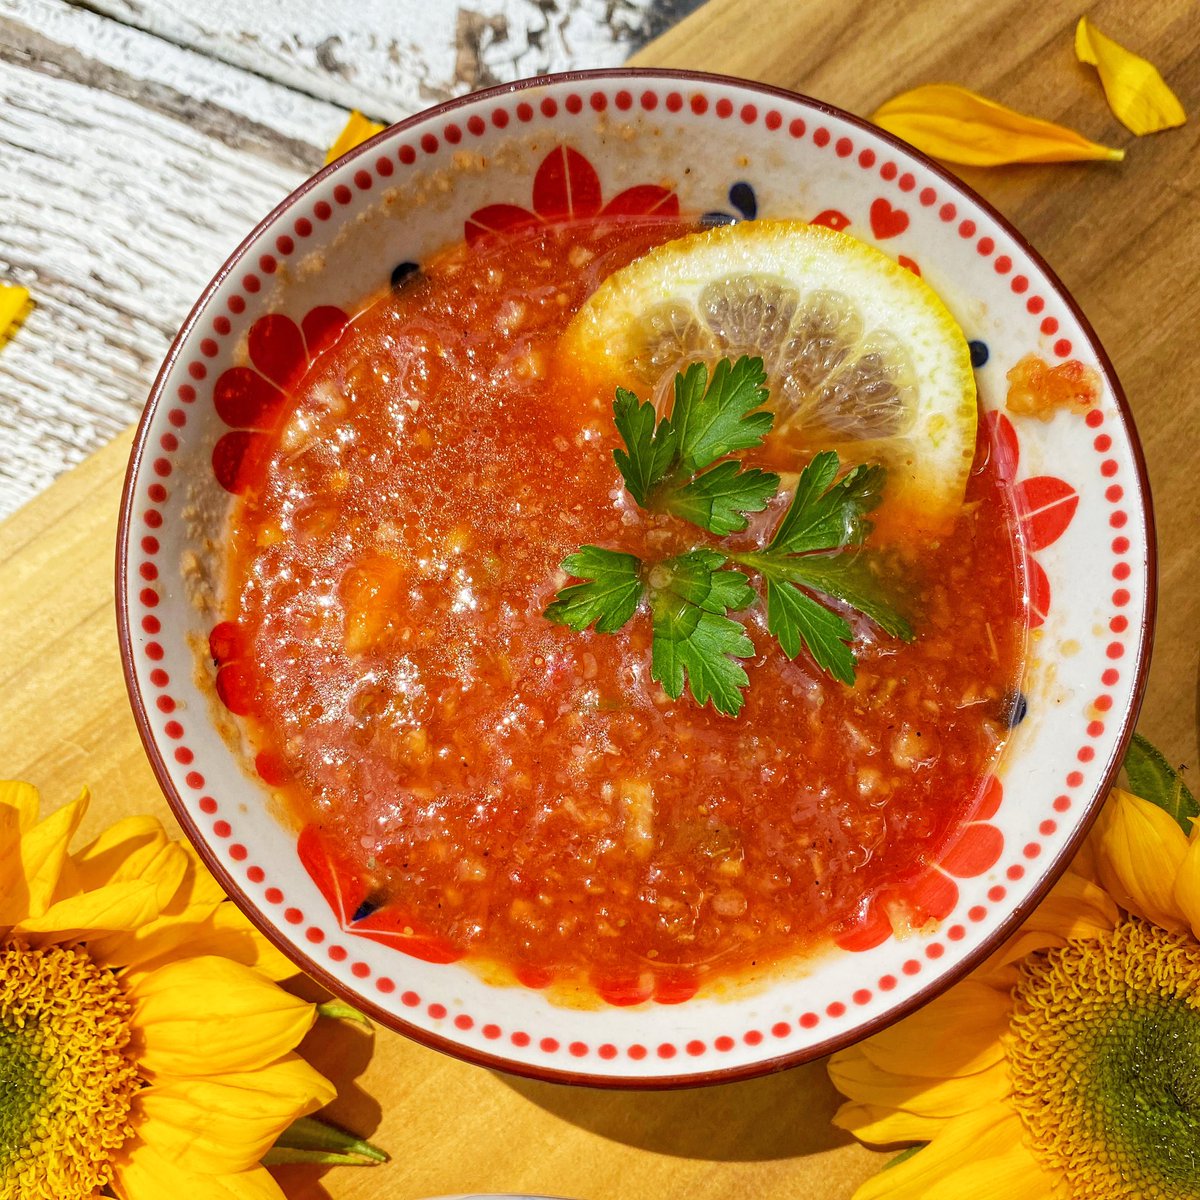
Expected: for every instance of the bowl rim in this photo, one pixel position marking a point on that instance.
(389, 1020)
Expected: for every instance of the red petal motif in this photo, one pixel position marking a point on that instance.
(229, 458)
(988, 801)
(1046, 505)
(909, 265)
(642, 201)
(976, 851)
(1039, 592)
(872, 931)
(245, 400)
(566, 185)
(277, 349)
(933, 895)
(831, 219)
(321, 327)
(622, 991)
(1002, 438)
(496, 218)
(336, 880)
(403, 932)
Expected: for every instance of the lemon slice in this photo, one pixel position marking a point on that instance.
(861, 355)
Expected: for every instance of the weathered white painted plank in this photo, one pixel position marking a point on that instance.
(392, 58)
(239, 107)
(114, 216)
(131, 163)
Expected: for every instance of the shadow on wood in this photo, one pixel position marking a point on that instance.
(780, 1116)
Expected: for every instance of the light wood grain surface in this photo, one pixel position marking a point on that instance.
(1125, 239)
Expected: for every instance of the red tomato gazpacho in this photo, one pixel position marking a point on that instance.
(524, 793)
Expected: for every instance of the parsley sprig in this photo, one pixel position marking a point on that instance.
(663, 463)
(668, 466)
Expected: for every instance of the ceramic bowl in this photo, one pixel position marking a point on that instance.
(543, 149)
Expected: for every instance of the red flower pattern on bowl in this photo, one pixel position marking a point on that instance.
(249, 399)
(567, 187)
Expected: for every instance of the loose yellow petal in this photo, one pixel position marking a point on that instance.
(1135, 91)
(980, 1155)
(957, 125)
(226, 1123)
(13, 300)
(1187, 884)
(141, 1173)
(956, 1034)
(1139, 851)
(885, 1126)
(357, 130)
(44, 852)
(855, 1076)
(127, 905)
(204, 1016)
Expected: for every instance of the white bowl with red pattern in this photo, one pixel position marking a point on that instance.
(544, 150)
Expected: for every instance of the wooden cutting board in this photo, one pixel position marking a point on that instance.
(1125, 239)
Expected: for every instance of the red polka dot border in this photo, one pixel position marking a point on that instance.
(288, 239)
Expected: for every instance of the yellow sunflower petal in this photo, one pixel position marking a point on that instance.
(1135, 91)
(14, 896)
(13, 299)
(1075, 908)
(959, 126)
(205, 1016)
(859, 1079)
(956, 1034)
(226, 1123)
(44, 852)
(196, 898)
(878, 1126)
(1139, 851)
(1002, 970)
(23, 799)
(119, 906)
(980, 1155)
(1187, 884)
(356, 131)
(133, 848)
(141, 1173)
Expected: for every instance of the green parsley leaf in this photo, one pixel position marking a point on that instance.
(824, 517)
(712, 418)
(650, 448)
(848, 577)
(718, 498)
(1154, 779)
(709, 419)
(693, 637)
(609, 596)
(795, 618)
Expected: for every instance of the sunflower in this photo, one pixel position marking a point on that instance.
(145, 1049)
(1068, 1064)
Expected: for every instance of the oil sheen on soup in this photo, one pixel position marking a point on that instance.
(526, 794)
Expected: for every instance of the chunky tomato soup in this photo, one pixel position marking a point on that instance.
(525, 792)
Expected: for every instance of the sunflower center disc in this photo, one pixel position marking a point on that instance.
(1104, 1052)
(68, 1079)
